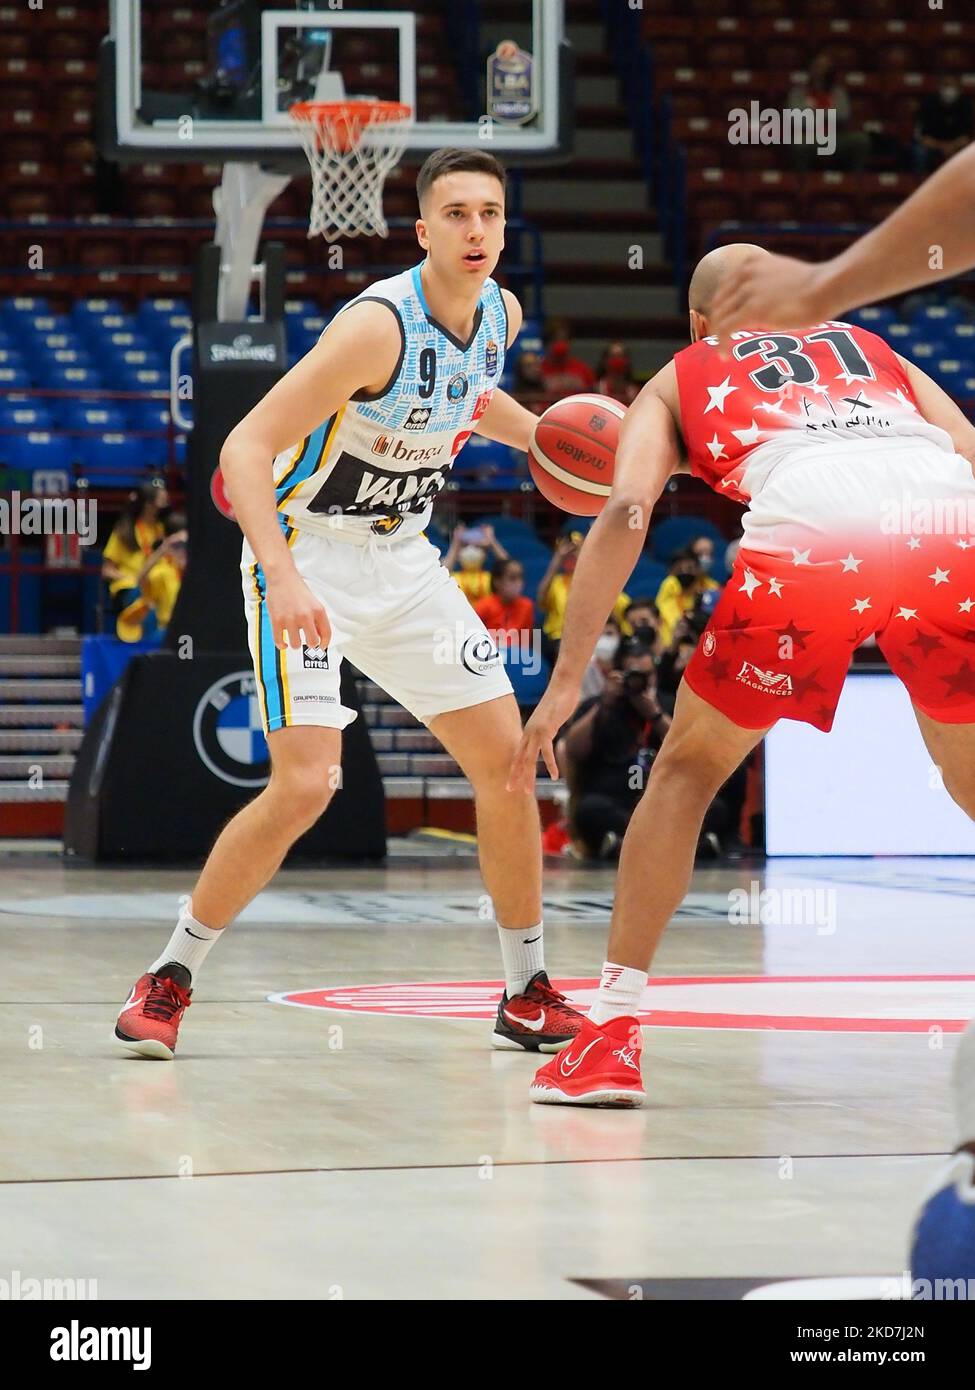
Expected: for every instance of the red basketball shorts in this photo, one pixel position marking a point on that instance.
(865, 539)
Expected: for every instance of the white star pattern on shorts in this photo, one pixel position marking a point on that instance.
(775, 587)
(800, 557)
(914, 543)
(906, 613)
(716, 447)
(859, 604)
(718, 395)
(750, 584)
(964, 545)
(851, 564)
(940, 576)
(966, 605)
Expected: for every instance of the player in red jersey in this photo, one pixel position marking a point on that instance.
(858, 474)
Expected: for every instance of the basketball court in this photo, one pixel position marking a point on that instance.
(336, 1124)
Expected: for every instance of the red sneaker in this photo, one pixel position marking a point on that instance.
(602, 1067)
(150, 1017)
(537, 1020)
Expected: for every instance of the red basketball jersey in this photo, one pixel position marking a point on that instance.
(826, 386)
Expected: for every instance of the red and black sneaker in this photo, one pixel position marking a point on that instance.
(537, 1020)
(150, 1017)
(602, 1067)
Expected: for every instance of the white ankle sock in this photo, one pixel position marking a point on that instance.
(619, 994)
(523, 954)
(189, 943)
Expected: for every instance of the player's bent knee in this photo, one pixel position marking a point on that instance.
(303, 793)
(689, 769)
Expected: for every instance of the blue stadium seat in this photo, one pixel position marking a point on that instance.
(74, 379)
(669, 536)
(14, 379)
(899, 334)
(140, 379)
(112, 460)
(924, 353)
(951, 374)
(9, 357)
(646, 579)
(300, 308)
(86, 310)
(19, 415)
(15, 311)
(937, 316)
(79, 415)
(39, 449)
(153, 312)
(483, 457)
(876, 317)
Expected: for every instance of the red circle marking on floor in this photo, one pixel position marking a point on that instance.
(802, 1003)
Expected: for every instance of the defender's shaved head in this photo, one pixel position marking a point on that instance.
(711, 270)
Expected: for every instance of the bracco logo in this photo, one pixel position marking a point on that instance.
(315, 658)
(387, 447)
(769, 682)
(786, 1003)
(479, 654)
(228, 733)
(243, 349)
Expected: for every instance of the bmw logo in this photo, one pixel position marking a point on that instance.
(479, 654)
(228, 733)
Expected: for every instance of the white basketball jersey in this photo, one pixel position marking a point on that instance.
(378, 463)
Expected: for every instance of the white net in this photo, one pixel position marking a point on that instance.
(351, 147)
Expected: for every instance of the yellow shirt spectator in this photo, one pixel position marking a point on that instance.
(555, 604)
(148, 534)
(673, 601)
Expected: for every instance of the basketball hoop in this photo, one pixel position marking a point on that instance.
(351, 147)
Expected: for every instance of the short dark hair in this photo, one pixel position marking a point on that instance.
(455, 161)
(642, 601)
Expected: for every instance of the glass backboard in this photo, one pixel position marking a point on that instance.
(213, 79)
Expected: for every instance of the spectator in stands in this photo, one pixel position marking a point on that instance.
(703, 548)
(136, 534)
(608, 750)
(614, 375)
(159, 583)
(602, 660)
(821, 90)
(672, 662)
(944, 126)
(680, 591)
(553, 593)
(528, 375)
(506, 613)
(469, 546)
(643, 622)
(563, 374)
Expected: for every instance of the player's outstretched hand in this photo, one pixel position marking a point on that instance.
(770, 292)
(294, 610)
(538, 737)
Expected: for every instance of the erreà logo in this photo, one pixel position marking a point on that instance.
(315, 658)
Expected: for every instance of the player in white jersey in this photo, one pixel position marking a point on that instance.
(332, 477)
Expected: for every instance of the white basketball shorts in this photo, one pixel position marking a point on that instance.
(395, 613)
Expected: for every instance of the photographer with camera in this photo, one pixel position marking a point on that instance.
(686, 635)
(608, 749)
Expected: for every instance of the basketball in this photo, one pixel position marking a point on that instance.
(572, 452)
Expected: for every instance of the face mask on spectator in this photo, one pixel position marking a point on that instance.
(705, 561)
(607, 646)
(686, 581)
(645, 632)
